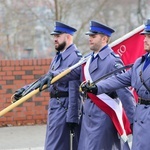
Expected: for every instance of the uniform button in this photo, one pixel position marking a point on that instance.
(89, 115)
(91, 101)
(146, 92)
(135, 120)
(142, 122)
(145, 107)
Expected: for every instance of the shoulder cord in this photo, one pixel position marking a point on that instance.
(140, 74)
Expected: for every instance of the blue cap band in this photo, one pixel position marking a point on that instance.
(96, 27)
(64, 30)
(100, 30)
(147, 27)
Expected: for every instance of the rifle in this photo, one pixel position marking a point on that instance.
(104, 77)
(29, 94)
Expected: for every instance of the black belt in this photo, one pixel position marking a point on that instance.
(59, 94)
(143, 101)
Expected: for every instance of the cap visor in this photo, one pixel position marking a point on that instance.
(55, 33)
(90, 33)
(145, 32)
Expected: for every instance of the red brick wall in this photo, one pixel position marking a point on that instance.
(14, 74)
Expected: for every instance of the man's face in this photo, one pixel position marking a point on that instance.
(60, 41)
(147, 42)
(96, 42)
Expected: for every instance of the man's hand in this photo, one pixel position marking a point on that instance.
(46, 80)
(88, 87)
(18, 94)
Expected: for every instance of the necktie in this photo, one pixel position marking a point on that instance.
(93, 57)
(147, 62)
(58, 56)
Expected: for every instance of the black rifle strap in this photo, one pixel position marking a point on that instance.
(143, 81)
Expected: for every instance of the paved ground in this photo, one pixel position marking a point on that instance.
(22, 137)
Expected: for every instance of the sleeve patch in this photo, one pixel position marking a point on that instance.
(78, 54)
(118, 65)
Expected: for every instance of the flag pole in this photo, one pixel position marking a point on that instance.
(126, 36)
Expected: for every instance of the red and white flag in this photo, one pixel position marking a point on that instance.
(112, 107)
(130, 47)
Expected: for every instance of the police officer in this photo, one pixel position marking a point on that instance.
(64, 94)
(97, 129)
(139, 78)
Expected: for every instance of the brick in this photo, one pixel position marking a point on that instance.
(19, 72)
(13, 62)
(38, 72)
(19, 123)
(9, 73)
(38, 117)
(35, 62)
(18, 68)
(43, 62)
(9, 91)
(3, 119)
(37, 76)
(19, 118)
(29, 122)
(19, 83)
(29, 117)
(37, 68)
(30, 62)
(9, 77)
(3, 62)
(8, 68)
(39, 62)
(18, 77)
(19, 109)
(28, 67)
(29, 104)
(9, 84)
(38, 103)
(28, 72)
(8, 63)
(39, 98)
(27, 77)
(2, 73)
(45, 103)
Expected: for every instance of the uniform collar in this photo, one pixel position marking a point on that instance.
(104, 52)
(148, 55)
(68, 51)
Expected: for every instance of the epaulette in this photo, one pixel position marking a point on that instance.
(78, 54)
(115, 55)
